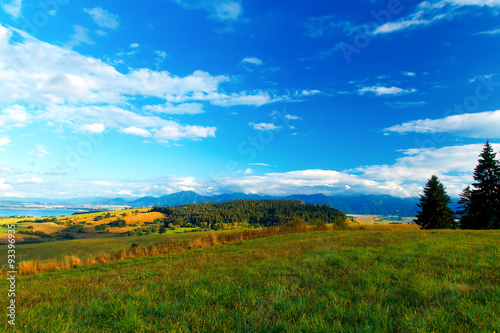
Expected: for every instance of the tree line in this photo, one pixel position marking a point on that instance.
(479, 204)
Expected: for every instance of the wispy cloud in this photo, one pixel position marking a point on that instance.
(80, 35)
(39, 152)
(405, 104)
(292, 117)
(12, 7)
(136, 131)
(174, 131)
(169, 108)
(93, 128)
(253, 61)
(14, 116)
(427, 13)
(264, 126)
(475, 125)
(385, 91)
(260, 164)
(220, 10)
(489, 32)
(103, 18)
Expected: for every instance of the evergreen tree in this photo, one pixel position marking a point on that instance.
(484, 200)
(434, 211)
(466, 220)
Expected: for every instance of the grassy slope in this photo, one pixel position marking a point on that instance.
(84, 247)
(362, 281)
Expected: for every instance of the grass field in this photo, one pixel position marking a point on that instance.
(335, 281)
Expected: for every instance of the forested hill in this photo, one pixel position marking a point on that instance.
(257, 213)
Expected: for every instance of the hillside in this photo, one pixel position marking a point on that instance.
(342, 281)
(185, 218)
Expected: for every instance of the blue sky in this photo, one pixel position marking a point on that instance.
(149, 98)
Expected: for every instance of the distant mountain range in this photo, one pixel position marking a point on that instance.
(362, 204)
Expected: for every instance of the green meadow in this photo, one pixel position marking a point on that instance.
(328, 281)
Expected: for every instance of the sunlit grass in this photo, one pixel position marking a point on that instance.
(334, 281)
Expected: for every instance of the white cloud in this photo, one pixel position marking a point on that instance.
(257, 99)
(292, 117)
(427, 13)
(81, 35)
(15, 116)
(39, 152)
(220, 10)
(93, 128)
(161, 54)
(227, 10)
(309, 92)
(169, 108)
(32, 180)
(410, 74)
(385, 91)
(253, 60)
(260, 164)
(4, 141)
(405, 104)
(103, 18)
(12, 7)
(174, 131)
(264, 126)
(134, 45)
(489, 32)
(136, 131)
(3, 185)
(475, 125)
(103, 183)
(71, 90)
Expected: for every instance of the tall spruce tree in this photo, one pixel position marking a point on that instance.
(484, 202)
(466, 220)
(434, 211)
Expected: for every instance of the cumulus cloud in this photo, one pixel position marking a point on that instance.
(103, 18)
(385, 91)
(39, 152)
(292, 117)
(475, 125)
(4, 141)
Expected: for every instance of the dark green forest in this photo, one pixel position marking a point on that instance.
(254, 213)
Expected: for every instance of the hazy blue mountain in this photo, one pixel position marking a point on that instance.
(361, 204)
